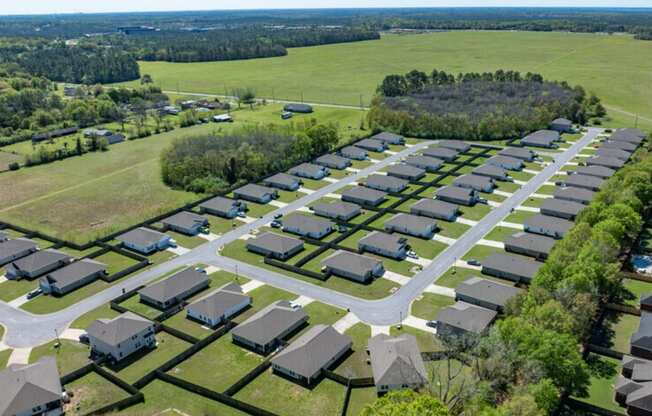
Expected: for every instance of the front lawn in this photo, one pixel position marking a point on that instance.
(476, 212)
(500, 233)
(429, 305)
(456, 275)
(480, 252)
(604, 373)
(426, 341)
(70, 355)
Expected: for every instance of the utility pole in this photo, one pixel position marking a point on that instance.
(361, 106)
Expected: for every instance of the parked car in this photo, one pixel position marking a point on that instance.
(173, 244)
(474, 262)
(277, 216)
(286, 115)
(412, 254)
(432, 324)
(242, 214)
(276, 224)
(34, 293)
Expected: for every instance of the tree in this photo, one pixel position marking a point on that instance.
(323, 138)
(405, 403)
(146, 79)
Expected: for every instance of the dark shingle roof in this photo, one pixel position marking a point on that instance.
(473, 181)
(518, 153)
(12, 247)
(508, 263)
(412, 223)
(363, 193)
(491, 171)
(282, 179)
(141, 236)
(307, 223)
(219, 203)
(354, 151)
(458, 145)
(217, 303)
(468, 317)
(75, 272)
(575, 194)
(499, 160)
(487, 290)
(541, 138)
(435, 208)
(389, 242)
(403, 170)
(23, 387)
(370, 144)
(185, 219)
(383, 182)
(388, 137)
(267, 324)
(582, 181)
(332, 161)
(455, 192)
(119, 329)
(275, 243)
(39, 260)
(307, 169)
(567, 208)
(597, 171)
(617, 153)
(530, 241)
(622, 145)
(424, 161)
(254, 191)
(353, 263)
(174, 285)
(553, 224)
(396, 360)
(337, 209)
(440, 152)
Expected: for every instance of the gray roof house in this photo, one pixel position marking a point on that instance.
(274, 245)
(353, 266)
(36, 264)
(541, 138)
(457, 195)
(435, 209)
(31, 389)
(186, 222)
(144, 240)
(333, 161)
(386, 183)
(222, 207)
(621, 145)
(404, 171)
(475, 182)
(590, 183)
(298, 108)
(353, 152)
(283, 181)
(442, 153)
(338, 210)
(491, 171)
(617, 153)
(218, 306)
(422, 227)
(263, 331)
(372, 145)
(583, 196)
(506, 162)
(16, 248)
(463, 319)
(174, 289)
(307, 225)
(458, 145)
(629, 135)
(430, 164)
(562, 125)
(641, 342)
(530, 244)
(561, 208)
(396, 363)
(72, 276)
(316, 350)
(508, 266)
(518, 153)
(597, 171)
(121, 336)
(547, 225)
(255, 193)
(387, 245)
(310, 171)
(363, 196)
(486, 293)
(389, 138)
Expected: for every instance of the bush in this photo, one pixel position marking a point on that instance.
(14, 166)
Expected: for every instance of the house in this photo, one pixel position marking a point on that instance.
(389, 138)
(619, 145)
(298, 108)
(53, 134)
(597, 171)
(590, 183)
(429, 164)
(441, 153)
(70, 91)
(641, 341)
(144, 240)
(435, 209)
(115, 138)
(506, 162)
(583, 196)
(353, 266)
(218, 306)
(386, 245)
(174, 289)
(475, 182)
(353, 152)
(223, 118)
(363, 196)
(186, 222)
(396, 363)
(404, 171)
(171, 110)
(645, 302)
(316, 350)
(31, 389)
(72, 276)
(508, 266)
(310, 171)
(628, 362)
(530, 244)
(457, 195)
(561, 208)
(422, 227)
(255, 193)
(623, 155)
(386, 183)
(283, 181)
(338, 210)
(222, 207)
(264, 331)
(486, 293)
(36, 264)
(635, 136)
(493, 172)
(638, 397)
(307, 226)
(562, 125)
(275, 246)
(457, 145)
(333, 161)
(546, 225)
(16, 248)
(372, 145)
(522, 153)
(463, 319)
(120, 337)
(541, 138)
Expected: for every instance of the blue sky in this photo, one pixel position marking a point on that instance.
(93, 6)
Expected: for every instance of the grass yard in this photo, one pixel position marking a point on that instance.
(4, 358)
(476, 212)
(360, 397)
(426, 248)
(321, 313)
(355, 365)
(546, 190)
(70, 355)
(429, 305)
(636, 289)
(135, 305)
(604, 373)
(456, 275)
(92, 392)
(616, 331)
(480, 252)
(519, 217)
(426, 341)
(452, 229)
(534, 202)
(500, 233)
(262, 297)
(7, 158)
(103, 312)
(13, 289)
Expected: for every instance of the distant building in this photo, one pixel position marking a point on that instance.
(562, 125)
(609, 162)
(456, 145)
(353, 266)
(256, 193)
(546, 225)
(174, 289)
(144, 240)
(486, 293)
(386, 183)
(422, 227)
(218, 306)
(475, 182)
(457, 195)
(396, 363)
(389, 138)
(441, 153)
(364, 196)
(506, 162)
(435, 209)
(463, 319)
(186, 222)
(333, 161)
(36, 264)
(16, 248)
(72, 276)
(590, 183)
(338, 210)
(508, 266)
(310, 171)
(429, 164)
(619, 145)
(353, 152)
(372, 145)
(530, 244)
(386, 245)
(641, 341)
(276, 246)
(623, 155)
(298, 108)
(283, 181)
(31, 389)
(222, 207)
(597, 171)
(120, 337)
(630, 135)
(307, 226)
(583, 196)
(404, 171)
(541, 138)
(493, 172)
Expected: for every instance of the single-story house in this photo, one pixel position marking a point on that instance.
(597, 171)
(389, 138)
(631, 135)
(353, 152)
(628, 362)
(547, 225)
(283, 181)
(508, 266)
(541, 138)
(115, 138)
(337, 210)
(386, 183)
(617, 153)
(372, 145)
(620, 145)
(441, 153)
(456, 145)
(635, 396)
(353, 266)
(16, 248)
(506, 162)
(121, 336)
(463, 319)
(31, 389)
(435, 209)
(387, 245)
(590, 183)
(583, 196)
(422, 227)
(174, 289)
(255, 193)
(363, 196)
(307, 225)
(396, 363)
(562, 125)
(333, 161)
(485, 293)
(404, 171)
(641, 341)
(274, 245)
(316, 350)
(475, 182)
(36, 264)
(144, 240)
(222, 207)
(310, 171)
(561, 208)
(264, 331)
(522, 153)
(530, 244)
(218, 306)
(430, 164)
(457, 195)
(491, 171)
(298, 108)
(186, 222)
(72, 276)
